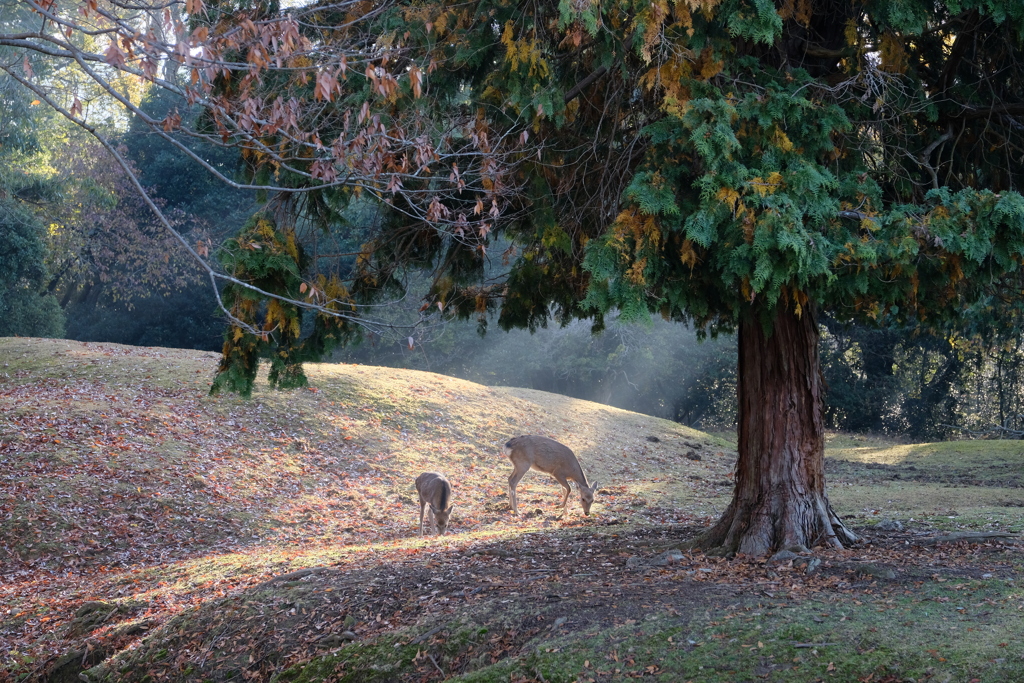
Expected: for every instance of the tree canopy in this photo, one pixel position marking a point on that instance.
(700, 158)
(713, 160)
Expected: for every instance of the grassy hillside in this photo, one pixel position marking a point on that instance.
(149, 530)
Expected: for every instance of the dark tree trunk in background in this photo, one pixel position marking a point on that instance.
(779, 500)
(878, 354)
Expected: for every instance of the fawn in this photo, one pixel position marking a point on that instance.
(435, 492)
(550, 457)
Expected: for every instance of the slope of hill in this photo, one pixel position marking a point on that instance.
(114, 462)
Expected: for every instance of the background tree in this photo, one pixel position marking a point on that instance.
(123, 279)
(26, 307)
(103, 236)
(902, 381)
(99, 244)
(859, 367)
(177, 180)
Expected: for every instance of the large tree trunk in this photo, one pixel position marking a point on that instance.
(779, 500)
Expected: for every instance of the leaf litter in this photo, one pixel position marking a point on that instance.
(133, 503)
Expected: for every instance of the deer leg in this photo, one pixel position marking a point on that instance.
(568, 490)
(513, 481)
(431, 524)
(422, 505)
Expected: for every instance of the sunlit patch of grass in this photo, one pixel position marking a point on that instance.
(907, 496)
(968, 455)
(840, 440)
(266, 561)
(951, 485)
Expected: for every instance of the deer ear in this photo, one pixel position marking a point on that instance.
(593, 487)
(450, 507)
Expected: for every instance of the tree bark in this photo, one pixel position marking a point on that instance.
(779, 500)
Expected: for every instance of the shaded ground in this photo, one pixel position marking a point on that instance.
(456, 608)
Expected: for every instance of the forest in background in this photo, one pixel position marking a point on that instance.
(82, 257)
(130, 288)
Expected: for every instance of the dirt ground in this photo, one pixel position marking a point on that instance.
(518, 595)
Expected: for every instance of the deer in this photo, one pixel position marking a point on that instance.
(435, 492)
(550, 457)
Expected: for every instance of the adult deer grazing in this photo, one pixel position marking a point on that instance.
(550, 457)
(435, 492)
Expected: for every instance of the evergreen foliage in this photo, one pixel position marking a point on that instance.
(178, 180)
(26, 307)
(272, 260)
(726, 160)
(713, 161)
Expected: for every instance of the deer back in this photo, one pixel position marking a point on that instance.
(434, 489)
(545, 455)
